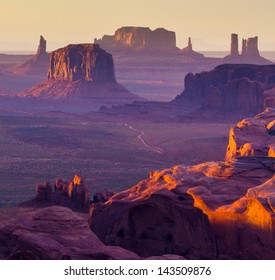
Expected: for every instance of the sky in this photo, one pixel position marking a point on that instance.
(208, 22)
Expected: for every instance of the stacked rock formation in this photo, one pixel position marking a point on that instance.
(139, 38)
(72, 194)
(230, 87)
(82, 71)
(36, 66)
(250, 52)
(214, 210)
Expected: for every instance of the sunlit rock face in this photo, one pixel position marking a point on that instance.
(87, 62)
(230, 87)
(214, 210)
(139, 38)
(36, 66)
(82, 71)
(253, 137)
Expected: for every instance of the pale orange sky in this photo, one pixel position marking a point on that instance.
(208, 22)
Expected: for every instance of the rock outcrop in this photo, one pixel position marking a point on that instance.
(84, 62)
(214, 210)
(53, 233)
(139, 38)
(73, 194)
(253, 137)
(57, 233)
(36, 66)
(189, 52)
(82, 71)
(250, 53)
(230, 87)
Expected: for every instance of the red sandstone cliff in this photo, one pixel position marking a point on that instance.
(82, 71)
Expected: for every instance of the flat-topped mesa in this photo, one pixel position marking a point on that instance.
(42, 46)
(139, 38)
(231, 87)
(85, 62)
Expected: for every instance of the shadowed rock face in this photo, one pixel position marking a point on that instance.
(36, 66)
(140, 38)
(250, 52)
(86, 62)
(230, 87)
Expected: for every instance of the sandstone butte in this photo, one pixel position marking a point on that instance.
(81, 71)
(250, 52)
(139, 38)
(37, 65)
(213, 210)
(237, 88)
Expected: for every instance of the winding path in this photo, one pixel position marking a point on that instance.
(142, 140)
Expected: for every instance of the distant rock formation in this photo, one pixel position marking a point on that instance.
(234, 51)
(85, 62)
(36, 66)
(139, 38)
(250, 52)
(41, 47)
(82, 71)
(230, 87)
(253, 137)
(188, 51)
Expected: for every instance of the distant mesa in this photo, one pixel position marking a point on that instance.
(250, 52)
(139, 38)
(82, 70)
(37, 65)
(231, 87)
(189, 52)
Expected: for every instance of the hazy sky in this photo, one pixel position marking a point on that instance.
(208, 22)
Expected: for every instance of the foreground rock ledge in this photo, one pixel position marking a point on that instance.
(55, 233)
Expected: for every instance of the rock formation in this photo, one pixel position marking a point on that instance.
(139, 38)
(214, 210)
(188, 51)
(250, 52)
(82, 71)
(253, 137)
(74, 194)
(234, 51)
(57, 233)
(84, 62)
(37, 65)
(230, 87)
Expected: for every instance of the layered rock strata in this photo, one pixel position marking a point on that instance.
(82, 71)
(230, 87)
(139, 38)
